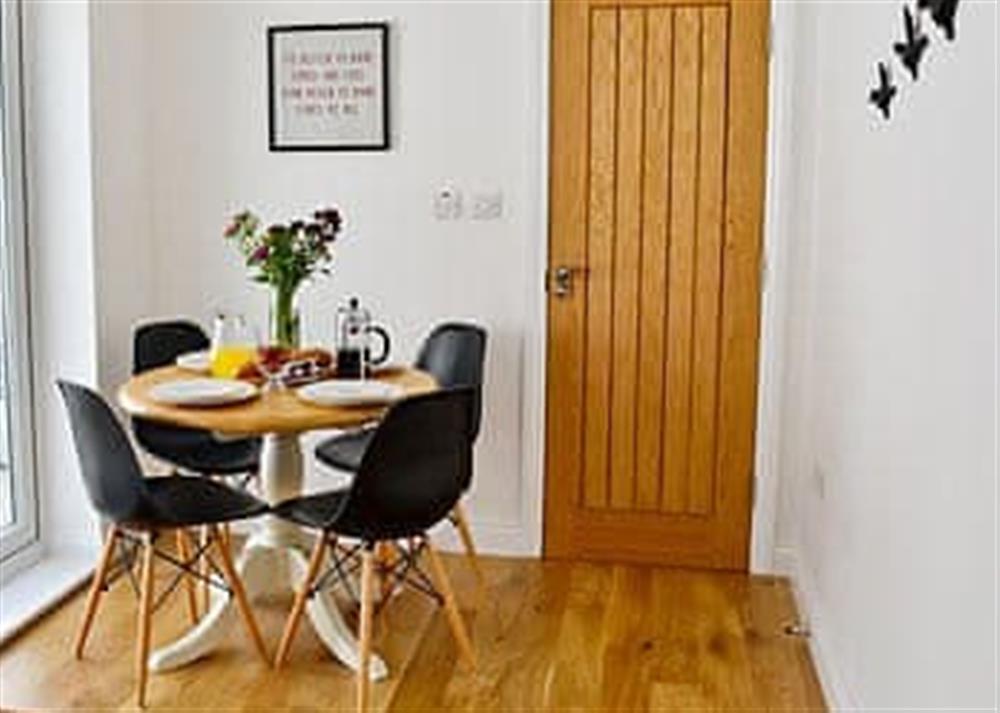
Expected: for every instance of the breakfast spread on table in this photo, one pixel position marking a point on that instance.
(337, 378)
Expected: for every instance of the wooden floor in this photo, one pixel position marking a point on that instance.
(549, 635)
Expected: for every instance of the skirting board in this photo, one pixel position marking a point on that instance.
(502, 539)
(28, 595)
(824, 656)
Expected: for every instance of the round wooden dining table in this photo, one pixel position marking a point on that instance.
(274, 545)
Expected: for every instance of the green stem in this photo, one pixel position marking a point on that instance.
(284, 317)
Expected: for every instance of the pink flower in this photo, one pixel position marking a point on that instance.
(231, 229)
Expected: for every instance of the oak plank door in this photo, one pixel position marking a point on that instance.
(657, 184)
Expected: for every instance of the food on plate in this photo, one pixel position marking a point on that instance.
(321, 357)
(250, 372)
(288, 364)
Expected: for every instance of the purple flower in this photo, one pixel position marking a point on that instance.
(260, 254)
(330, 219)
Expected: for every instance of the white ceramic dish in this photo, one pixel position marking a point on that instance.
(203, 392)
(199, 362)
(343, 392)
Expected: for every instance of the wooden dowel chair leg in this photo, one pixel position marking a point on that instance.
(236, 585)
(451, 608)
(144, 628)
(96, 589)
(206, 569)
(386, 558)
(365, 628)
(184, 552)
(465, 533)
(301, 597)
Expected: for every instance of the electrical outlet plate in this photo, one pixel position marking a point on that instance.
(487, 205)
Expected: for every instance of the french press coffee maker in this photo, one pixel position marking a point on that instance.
(355, 334)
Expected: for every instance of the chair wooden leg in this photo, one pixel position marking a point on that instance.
(184, 553)
(465, 533)
(206, 570)
(365, 628)
(385, 555)
(451, 608)
(236, 585)
(144, 625)
(96, 589)
(295, 616)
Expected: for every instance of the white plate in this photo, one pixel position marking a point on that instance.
(343, 392)
(200, 362)
(202, 392)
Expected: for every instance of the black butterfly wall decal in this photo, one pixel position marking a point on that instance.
(882, 95)
(943, 13)
(912, 50)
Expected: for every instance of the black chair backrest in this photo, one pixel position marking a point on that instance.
(413, 472)
(454, 354)
(160, 343)
(110, 470)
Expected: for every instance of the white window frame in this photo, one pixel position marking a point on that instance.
(17, 537)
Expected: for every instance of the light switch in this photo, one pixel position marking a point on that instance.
(448, 203)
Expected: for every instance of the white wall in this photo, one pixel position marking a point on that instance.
(180, 114)
(123, 238)
(88, 200)
(56, 84)
(889, 427)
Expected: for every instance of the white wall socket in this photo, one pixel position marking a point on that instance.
(487, 205)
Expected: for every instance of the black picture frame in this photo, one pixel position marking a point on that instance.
(274, 144)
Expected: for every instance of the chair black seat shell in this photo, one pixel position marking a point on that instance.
(158, 344)
(121, 493)
(345, 451)
(410, 477)
(454, 354)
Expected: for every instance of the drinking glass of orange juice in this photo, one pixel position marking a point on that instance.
(234, 344)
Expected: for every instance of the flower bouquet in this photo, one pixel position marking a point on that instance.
(283, 256)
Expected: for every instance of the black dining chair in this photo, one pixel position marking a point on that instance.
(410, 478)
(191, 450)
(140, 508)
(454, 354)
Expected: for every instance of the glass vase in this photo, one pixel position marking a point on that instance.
(283, 318)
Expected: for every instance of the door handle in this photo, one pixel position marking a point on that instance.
(561, 280)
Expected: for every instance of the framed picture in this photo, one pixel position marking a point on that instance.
(328, 87)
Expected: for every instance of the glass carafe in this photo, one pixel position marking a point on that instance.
(234, 344)
(352, 339)
(355, 335)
